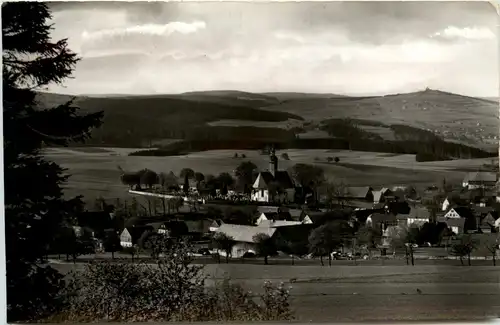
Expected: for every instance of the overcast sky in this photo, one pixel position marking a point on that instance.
(335, 47)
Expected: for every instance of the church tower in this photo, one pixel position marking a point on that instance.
(273, 162)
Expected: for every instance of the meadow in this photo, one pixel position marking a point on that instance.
(94, 171)
(371, 293)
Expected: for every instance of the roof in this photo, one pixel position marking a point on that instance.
(137, 231)
(99, 220)
(382, 217)
(278, 223)
(156, 225)
(265, 209)
(198, 226)
(453, 222)
(356, 192)
(278, 216)
(419, 213)
(295, 213)
(483, 210)
(377, 195)
(244, 234)
(464, 212)
(265, 178)
(480, 177)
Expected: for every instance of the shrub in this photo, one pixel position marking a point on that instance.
(285, 156)
(172, 289)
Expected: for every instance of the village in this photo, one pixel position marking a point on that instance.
(279, 215)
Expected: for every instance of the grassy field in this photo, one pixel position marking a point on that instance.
(95, 171)
(371, 293)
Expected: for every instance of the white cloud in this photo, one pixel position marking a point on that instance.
(469, 33)
(147, 29)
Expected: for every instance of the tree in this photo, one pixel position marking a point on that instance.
(132, 250)
(235, 155)
(369, 237)
(329, 159)
(112, 243)
(34, 213)
(325, 239)
(265, 246)
(308, 176)
(185, 187)
(149, 178)
(466, 246)
(130, 179)
(245, 172)
(199, 177)
(225, 243)
(168, 181)
(274, 189)
(187, 172)
(337, 160)
(224, 180)
(396, 237)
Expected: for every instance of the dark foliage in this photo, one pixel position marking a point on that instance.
(34, 213)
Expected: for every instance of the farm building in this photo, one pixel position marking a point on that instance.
(478, 179)
(273, 185)
(130, 236)
(364, 193)
(274, 216)
(243, 236)
(381, 220)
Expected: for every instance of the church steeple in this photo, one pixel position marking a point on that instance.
(273, 161)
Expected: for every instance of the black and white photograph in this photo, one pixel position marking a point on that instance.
(239, 161)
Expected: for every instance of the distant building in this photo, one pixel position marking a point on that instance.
(274, 180)
(476, 180)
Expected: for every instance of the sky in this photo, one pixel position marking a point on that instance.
(347, 48)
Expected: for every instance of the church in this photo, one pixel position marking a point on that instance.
(273, 185)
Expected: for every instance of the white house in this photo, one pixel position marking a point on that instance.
(274, 180)
(445, 205)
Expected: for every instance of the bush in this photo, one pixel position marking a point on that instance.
(285, 156)
(170, 290)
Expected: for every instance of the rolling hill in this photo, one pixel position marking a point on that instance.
(226, 118)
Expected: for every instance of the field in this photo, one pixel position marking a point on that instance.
(373, 293)
(95, 170)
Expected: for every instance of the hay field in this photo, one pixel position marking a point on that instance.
(95, 171)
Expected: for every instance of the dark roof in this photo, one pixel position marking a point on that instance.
(481, 177)
(278, 216)
(494, 214)
(483, 210)
(453, 222)
(296, 233)
(198, 226)
(97, 221)
(382, 217)
(419, 213)
(282, 177)
(156, 225)
(356, 192)
(464, 212)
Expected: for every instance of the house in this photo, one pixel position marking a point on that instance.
(158, 227)
(278, 223)
(198, 228)
(312, 217)
(364, 193)
(464, 213)
(273, 216)
(273, 185)
(381, 220)
(454, 224)
(130, 236)
(486, 224)
(97, 221)
(244, 237)
(479, 180)
(383, 195)
(215, 225)
(417, 217)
